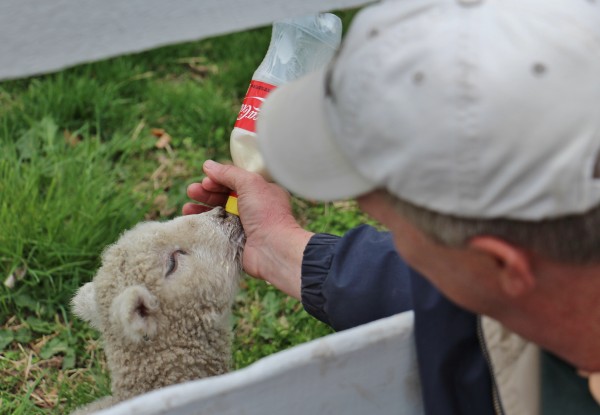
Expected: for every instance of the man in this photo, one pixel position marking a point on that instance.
(471, 130)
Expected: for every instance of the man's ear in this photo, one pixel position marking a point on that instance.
(84, 305)
(513, 264)
(135, 311)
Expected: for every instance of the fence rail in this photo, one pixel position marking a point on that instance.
(39, 36)
(370, 369)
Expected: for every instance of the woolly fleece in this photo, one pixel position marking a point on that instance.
(159, 327)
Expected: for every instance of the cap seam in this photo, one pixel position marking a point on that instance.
(468, 138)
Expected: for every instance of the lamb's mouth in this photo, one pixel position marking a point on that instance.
(231, 224)
(233, 227)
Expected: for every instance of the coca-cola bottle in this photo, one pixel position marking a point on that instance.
(298, 46)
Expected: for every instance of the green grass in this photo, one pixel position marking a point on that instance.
(79, 164)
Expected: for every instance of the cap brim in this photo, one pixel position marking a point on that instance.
(299, 147)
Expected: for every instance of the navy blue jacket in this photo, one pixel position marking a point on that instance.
(358, 278)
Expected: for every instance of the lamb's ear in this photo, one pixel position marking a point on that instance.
(84, 305)
(135, 310)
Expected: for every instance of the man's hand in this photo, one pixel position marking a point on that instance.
(274, 241)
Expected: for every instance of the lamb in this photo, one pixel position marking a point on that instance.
(162, 301)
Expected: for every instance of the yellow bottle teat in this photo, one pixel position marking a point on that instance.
(232, 206)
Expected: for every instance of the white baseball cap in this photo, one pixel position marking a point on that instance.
(476, 108)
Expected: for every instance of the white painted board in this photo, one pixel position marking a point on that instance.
(39, 36)
(370, 370)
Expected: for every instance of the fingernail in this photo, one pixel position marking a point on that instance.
(210, 164)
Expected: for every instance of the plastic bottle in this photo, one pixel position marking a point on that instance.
(298, 46)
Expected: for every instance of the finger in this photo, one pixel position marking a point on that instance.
(195, 190)
(198, 193)
(211, 186)
(193, 209)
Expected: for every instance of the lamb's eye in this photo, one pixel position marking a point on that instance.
(173, 259)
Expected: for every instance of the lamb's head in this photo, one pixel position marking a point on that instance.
(165, 279)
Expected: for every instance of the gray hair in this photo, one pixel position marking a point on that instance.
(571, 239)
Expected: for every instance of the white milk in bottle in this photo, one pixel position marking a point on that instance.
(298, 46)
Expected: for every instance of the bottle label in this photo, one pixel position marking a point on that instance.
(257, 92)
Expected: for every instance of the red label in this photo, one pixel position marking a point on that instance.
(257, 92)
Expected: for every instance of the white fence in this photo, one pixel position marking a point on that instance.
(38, 36)
(368, 370)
